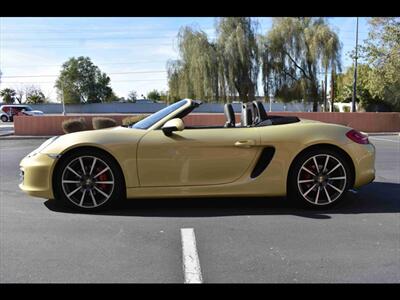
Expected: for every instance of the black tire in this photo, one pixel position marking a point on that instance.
(301, 189)
(4, 118)
(88, 191)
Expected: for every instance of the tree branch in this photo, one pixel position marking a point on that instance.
(290, 75)
(297, 66)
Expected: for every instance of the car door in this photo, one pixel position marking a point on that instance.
(196, 156)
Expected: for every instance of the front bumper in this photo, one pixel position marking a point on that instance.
(36, 174)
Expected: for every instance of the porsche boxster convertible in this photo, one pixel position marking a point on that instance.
(312, 162)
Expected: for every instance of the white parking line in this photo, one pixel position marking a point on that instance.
(191, 262)
(380, 139)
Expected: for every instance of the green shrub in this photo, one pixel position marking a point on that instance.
(128, 121)
(101, 122)
(74, 125)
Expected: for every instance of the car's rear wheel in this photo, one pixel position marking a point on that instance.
(88, 180)
(4, 118)
(319, 178)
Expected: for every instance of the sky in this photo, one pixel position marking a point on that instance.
(132, 51)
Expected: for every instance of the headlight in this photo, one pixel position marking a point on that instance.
(42, 146)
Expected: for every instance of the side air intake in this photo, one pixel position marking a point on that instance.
(263, 161)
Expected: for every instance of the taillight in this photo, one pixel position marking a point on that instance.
(357, 137)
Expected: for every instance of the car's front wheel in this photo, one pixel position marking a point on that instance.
(4, 118)
(319, 178)
(88, 180)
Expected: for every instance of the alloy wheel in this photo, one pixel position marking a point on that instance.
(87, 181)
(322, 179)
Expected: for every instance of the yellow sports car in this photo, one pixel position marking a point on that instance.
(312, 162)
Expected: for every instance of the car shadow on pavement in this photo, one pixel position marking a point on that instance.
(377, 197)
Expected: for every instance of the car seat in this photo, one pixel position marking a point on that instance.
(230, 115)
(259, 112)
(247, 114)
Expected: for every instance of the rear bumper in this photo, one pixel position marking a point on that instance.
(363, 157)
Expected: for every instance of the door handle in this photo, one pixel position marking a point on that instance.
(245, 143)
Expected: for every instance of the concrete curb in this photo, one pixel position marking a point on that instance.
(382, 133)
(6, 134)
(22, 137)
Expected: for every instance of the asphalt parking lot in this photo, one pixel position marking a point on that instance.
(239, 240)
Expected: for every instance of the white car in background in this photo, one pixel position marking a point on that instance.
(7, 112)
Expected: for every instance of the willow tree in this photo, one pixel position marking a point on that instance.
(297, 49)
(238, 48)
(265, 70)
(178, 82)
(195, 74)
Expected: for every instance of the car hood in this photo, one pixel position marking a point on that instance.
(102, 138)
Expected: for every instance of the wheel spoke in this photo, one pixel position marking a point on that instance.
(98, 174)
(83, 197)
(93, 199)
(74, 191)
(70, 181)
(69, 168)
(316, 164)
(306, 180)
(92, 168)
(306, 193)
(312, 173)
(338, 178)
(104, 182)
(82, 166)
(101, 192)
(316, 198)
(334, 187)
(327, 195)
(326, 163)
(337, 166)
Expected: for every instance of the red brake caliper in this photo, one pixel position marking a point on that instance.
(103, 177)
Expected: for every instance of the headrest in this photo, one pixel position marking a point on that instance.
(230, 115)
(261, 113)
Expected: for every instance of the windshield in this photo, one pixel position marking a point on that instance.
(27, 108)
(157, 116)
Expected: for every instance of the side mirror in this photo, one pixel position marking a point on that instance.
(173, 125)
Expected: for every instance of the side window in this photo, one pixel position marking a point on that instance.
(6, 109)
(14, 110)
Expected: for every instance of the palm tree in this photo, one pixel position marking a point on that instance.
(331, 50)
(8, 95)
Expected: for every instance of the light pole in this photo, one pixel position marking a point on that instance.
(62, 97)
(270, 102)
(353, 100)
